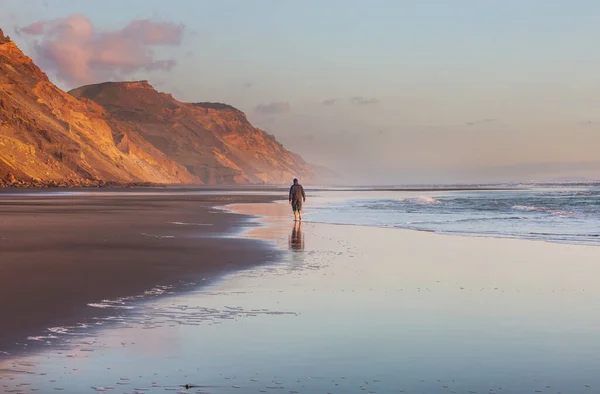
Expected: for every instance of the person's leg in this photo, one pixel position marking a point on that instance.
(299, 209)
(295, 215)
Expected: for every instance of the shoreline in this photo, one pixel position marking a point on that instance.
(457, 234)
(43, 285)
(62, 253)
(521, 307)
(249, 209)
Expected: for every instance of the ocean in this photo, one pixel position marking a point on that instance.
(556, 213)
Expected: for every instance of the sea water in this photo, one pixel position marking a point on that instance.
(556, 213)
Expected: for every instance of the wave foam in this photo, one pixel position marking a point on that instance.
(104, 305)
(563, 214)
(59, 330)
(158, 290)
(425, 200)
(42, 338)
(527, 208)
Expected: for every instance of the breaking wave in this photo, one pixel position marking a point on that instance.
(425, 200)
(541, 209)
(557, 215)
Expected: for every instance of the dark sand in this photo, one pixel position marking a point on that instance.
(57, 254)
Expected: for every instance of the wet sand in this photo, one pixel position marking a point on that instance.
(60, 253)
(351, 309)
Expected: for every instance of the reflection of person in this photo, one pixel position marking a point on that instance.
(297, 197)
(296, 238)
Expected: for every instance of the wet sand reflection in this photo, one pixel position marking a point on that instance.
(436, 314)
(296, 241)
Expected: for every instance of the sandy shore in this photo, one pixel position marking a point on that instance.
(59, 253)
(351, 309)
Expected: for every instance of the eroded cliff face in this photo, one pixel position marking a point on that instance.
(126, 132)
(215, 142)
(49, 135)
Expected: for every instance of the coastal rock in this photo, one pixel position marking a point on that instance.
(3, 39)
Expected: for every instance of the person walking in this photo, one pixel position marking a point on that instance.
(296, 198)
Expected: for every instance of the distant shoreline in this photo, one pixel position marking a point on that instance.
(6, 184)
(14, 183)
(227, 187)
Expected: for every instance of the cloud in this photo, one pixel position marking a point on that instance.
(479, 122)
(149, 32)
(78, 53)
(356, 100)
(36, 28)
(359, 100)
(274, 108)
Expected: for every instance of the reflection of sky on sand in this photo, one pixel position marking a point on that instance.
(357, 308)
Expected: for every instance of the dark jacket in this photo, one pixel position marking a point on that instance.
(297, 192)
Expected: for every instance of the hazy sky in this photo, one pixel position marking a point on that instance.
(381, 91)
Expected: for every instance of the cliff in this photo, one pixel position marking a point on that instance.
(125, 133)
(48, 135)
(3, 39)
(214, 141)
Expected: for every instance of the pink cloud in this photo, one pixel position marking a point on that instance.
(36, 28)
(152, 33)
(80, 54)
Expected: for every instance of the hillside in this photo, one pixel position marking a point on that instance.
(214, 141)
(125, 133)
(48, 135)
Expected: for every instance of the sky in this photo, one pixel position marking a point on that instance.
(381, 92)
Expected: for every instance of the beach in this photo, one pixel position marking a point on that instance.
(61, 252)
(333, 308)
